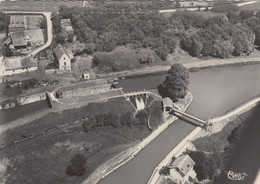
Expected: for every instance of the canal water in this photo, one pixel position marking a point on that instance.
(215, 92)
(7, 115)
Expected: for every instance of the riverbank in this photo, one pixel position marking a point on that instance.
(154, 70)
(194, 66)
(217, 124)
(129, 154)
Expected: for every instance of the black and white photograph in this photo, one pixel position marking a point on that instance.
(129, 91)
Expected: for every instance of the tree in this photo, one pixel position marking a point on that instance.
(77, 166)
(88, 123)
(6, 51)
(2, 21)
(206, 165)
(142, 116)
(56, 23)
(176, 83)
(165, 171)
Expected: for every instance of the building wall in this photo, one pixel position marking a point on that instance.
(32, 98)
(65, 63)
(12, 72)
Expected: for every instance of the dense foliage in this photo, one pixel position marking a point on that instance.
(103, 28)
(77, 166)
(2, 21)
(115, 120)
(206, 165)
(176, 83)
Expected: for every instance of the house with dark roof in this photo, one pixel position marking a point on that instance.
(63, 57)
(24, 38)
(181, 170)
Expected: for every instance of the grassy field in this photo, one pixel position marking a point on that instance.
(123, 58)
(44, 158)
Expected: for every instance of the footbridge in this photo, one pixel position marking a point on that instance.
(198, 121)
(135, 93)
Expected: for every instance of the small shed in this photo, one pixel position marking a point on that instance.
(167, 104)
(86, 76)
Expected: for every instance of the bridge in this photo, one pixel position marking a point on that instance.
(200, 122)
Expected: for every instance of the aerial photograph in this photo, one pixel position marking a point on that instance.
(129, 91)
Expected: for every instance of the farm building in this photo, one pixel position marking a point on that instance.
(63, 57)
(15, 65)
(22, 39)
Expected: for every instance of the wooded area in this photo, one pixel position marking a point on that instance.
(221, 36)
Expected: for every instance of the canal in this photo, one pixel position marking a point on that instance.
(7, 115)
(215, 92)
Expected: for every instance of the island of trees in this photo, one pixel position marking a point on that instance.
(176, 83)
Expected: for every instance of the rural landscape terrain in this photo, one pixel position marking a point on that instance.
(104, 91)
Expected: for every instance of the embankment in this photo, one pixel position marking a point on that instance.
(129, 154)
(194, 66)
(23, 100)
(217, 125)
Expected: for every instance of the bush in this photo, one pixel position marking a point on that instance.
(77, 166)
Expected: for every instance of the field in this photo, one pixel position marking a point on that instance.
(49, 6)
(124, 58)
(43, 159)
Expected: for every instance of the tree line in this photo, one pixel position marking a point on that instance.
(115, 120)
(102, 29)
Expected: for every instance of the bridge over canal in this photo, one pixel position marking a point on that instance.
(197, 121)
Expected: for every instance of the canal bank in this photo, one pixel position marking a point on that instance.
(217, 124)
(119, 160)
(193, 66)
(215, 91)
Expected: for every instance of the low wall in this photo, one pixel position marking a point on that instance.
(31, 98)
(23, 100)
(87, 91)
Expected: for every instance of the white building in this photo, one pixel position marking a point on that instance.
(181, 170)
(63, 57)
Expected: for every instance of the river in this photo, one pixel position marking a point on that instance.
(215, 91)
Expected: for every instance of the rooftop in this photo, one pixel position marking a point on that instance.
(183, 163)
(21, 38)
(13, 63)
(60, 50)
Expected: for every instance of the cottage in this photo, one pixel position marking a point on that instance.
(63, 57)
(181, 170)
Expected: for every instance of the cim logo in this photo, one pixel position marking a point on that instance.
(236, 176)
